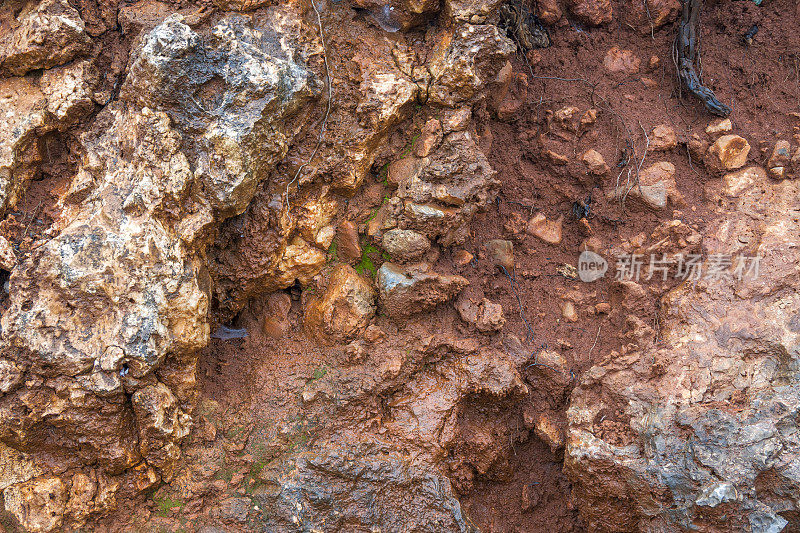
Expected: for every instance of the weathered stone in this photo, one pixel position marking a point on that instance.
(482, 313)
(501, 253)
(721, 126)
(49, 35)
(38, 504)
(594, 12)
(415, 288)
(657, 186)
(735, 183)
(729, 152)
(343, 483)
(161, 426)
(276, 315)
(472, 60)
(429, 138)
(595, 163)
(456, 119)
(663, 138)
(343, 310)
(234, 144)
(474, 11)
(618, 61)
(69, 91)
(8, 259)
(405, 245)
(779, 164)
(546, 230)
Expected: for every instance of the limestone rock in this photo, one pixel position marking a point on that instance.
(405, 245)
(161, 426)
(735, 183)
(546, 230)
(356, 481)
(729, 152)
(634, 415)
(343, 310)
(415, 288)
(69, 91)
(447, 189)
(593, 12)
(49, 35)
(663, 138)
(621, 61)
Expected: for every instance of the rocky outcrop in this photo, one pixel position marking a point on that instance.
(343, 310)
(699, 432)
(100, 311)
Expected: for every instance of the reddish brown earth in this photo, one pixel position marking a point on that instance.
(257, 381)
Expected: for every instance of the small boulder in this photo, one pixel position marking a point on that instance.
(344, 309)
(549, 11)
(729, 152)
(735, 183)
(406, 290)
(663, 138)
(546, 230)
(429, 139)
(276, 317)
(595, 164)
(405, 245)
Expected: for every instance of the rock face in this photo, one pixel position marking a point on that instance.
(407, 290)
(121, 292)
(706, 423)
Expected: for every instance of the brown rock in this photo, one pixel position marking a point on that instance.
(603, 308)
(349, 247)
(550, 431)
(595, 164)
(546, 230)
(729, 152)
(344, 309)
(429, 139)
(556, 158)
(50, 35)
(663, 138)
(654, 62)
(406, 290)
(549, 11)
(374, 334)
(501, 253)
(456, 119)
(462, 257)
(621, 61)
(38, 504)
(594, 12)
(482, 313)
(405, 245)
(402, 170)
